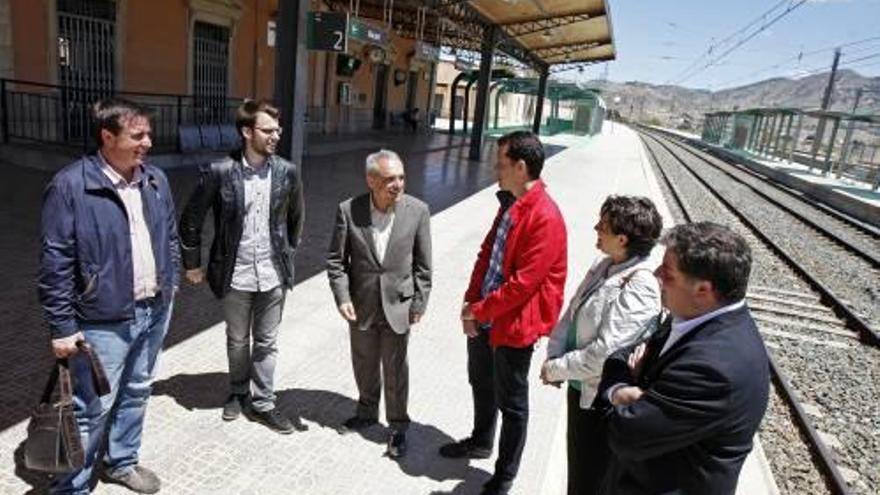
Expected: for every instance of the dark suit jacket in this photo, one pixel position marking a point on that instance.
(400, 285)
(704, 399)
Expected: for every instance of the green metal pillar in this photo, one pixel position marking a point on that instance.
(827, 166)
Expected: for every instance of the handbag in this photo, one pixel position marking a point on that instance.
(53, 443)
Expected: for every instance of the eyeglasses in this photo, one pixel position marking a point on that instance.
(270, 130)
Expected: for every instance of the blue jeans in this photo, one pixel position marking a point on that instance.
(128, 350)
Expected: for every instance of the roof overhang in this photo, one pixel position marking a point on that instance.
(538, 33)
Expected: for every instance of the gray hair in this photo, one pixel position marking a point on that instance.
(373, 159)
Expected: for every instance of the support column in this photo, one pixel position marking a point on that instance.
(788, 137)
(453, 93)
(291, 77)
(497, 105)
(796, 137)
(759, 137)
(777, 152)
(827, 167)
(818, 137)
(429, 101)
(753, 128)
(490, 36)
(774, 134)
(759, 129)
(539, 103)
(467, 105)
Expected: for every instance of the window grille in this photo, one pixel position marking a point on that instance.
(86, 65)
(210, 69)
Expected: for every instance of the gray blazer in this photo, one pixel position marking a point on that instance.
(402, 282)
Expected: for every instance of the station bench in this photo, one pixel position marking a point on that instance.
(207, 137)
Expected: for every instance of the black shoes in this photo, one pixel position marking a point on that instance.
(396, 445)
(465, 448)
(275, 421)
(233, 407)
(356, 423)
(496, 487)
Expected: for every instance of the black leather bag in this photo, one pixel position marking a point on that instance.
(53, 442)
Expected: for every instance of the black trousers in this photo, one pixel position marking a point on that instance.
(499, 381)
(587, 447)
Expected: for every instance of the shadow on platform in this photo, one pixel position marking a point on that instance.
(329, 410)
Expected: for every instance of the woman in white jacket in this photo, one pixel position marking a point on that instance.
(617, 303)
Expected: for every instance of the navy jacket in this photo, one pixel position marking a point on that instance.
(704, 399)
(86, 272)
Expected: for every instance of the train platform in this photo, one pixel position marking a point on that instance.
(854, 197)
(195, 452)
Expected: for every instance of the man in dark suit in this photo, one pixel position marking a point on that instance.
(683, 406)
(379, 266)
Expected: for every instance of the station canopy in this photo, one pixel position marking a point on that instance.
(555, 90)
(538, 33)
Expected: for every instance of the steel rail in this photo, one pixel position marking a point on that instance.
(823, 454)
(858, 225)
(870, 257)
(867, 334)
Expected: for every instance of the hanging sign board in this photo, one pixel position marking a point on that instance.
(463, 65)
(361, 31)
(427, 52)
(327, 31)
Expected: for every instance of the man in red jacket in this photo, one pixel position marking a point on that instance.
(514, 298)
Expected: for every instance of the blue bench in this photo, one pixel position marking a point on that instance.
(208, 137)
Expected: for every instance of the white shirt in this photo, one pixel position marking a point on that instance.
(680, 327)
(381, 228)
(254, 269)
(144, 282)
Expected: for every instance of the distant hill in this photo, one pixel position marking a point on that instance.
(672, 105)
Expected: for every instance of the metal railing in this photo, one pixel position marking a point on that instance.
(60, 115)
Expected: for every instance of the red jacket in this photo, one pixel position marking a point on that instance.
(527, 304)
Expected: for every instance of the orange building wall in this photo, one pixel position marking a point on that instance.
(154, 47)
(30, 39)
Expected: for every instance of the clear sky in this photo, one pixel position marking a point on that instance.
(658, 40)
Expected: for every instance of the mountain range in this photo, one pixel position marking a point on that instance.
(678, 106)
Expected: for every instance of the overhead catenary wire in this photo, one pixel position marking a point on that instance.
(791, 62)
(696, 67)
(713, 46)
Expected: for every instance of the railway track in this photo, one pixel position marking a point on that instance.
(824, 365)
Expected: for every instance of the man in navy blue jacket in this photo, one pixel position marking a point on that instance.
(109, 268)
(685, 405)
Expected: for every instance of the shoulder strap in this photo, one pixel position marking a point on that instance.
(59, 376)
(626, 278)
(99, 377)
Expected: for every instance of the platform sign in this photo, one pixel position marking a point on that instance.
(327, 31)
(367, 33)
(427, 52)
(463, 65)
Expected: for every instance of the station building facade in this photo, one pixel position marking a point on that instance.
(192, 60)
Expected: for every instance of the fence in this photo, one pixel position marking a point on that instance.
(60, 115)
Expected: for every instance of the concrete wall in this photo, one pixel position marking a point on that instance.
(30, 39)
(154, 54)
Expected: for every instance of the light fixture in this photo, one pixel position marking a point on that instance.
(547, 34)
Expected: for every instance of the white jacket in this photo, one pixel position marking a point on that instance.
(619, 310)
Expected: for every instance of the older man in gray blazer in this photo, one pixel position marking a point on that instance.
(379, 265)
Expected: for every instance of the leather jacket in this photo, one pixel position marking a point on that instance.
(221, 188)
